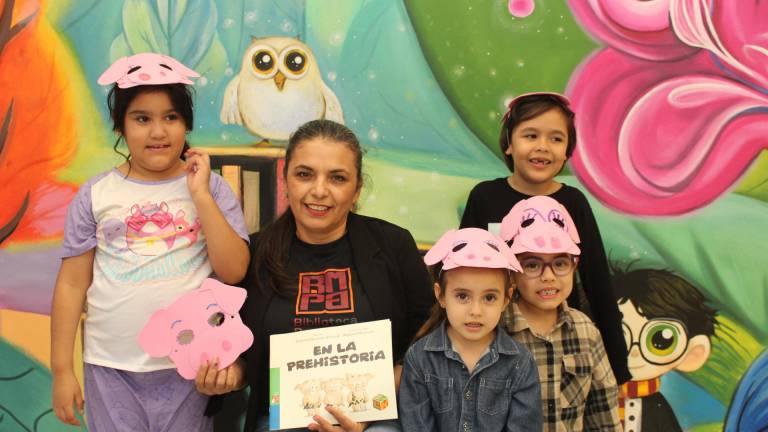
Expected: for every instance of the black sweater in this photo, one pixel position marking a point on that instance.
(392, 275)
(491, 200)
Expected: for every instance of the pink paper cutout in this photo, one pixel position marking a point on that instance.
(146, 69)
(471, 247)
(199, 326)
(540, 224)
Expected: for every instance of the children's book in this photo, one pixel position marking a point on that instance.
(348, 367)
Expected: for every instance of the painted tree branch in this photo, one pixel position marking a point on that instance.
(8, 229)
(7, 32)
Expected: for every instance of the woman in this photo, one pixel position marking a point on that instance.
(376, 270)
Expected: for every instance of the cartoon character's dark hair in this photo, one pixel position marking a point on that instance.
(529, 107)
(271, 252)
(437, 314)
(659, 293)
(118, 99)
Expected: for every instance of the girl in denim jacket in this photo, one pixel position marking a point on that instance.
(464, 372)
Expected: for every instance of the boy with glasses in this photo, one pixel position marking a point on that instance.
(667, 326)
(578, 387)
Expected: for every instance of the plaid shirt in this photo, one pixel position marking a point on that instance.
(578, 389)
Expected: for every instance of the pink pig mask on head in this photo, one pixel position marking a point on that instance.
(540, 224)
(199, 326)
(471, 247)
(147, 69)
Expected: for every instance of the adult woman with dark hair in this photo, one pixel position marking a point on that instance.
(320, 264)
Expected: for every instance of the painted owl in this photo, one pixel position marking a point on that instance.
(279, 87)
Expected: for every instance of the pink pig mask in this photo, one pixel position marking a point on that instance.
(540, 224)
(147, 69)
(199, 326)
(471, 247)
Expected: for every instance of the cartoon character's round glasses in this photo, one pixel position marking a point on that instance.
(533, 267)
(662, 340)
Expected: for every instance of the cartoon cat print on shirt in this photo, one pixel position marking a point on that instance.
(152, 229)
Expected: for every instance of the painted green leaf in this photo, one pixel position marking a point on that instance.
(482, 55)
(242, 19)
(183, 29)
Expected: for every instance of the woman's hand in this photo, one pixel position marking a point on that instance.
(346, 424)
(66, 392)
(198, 172)
(212, 381)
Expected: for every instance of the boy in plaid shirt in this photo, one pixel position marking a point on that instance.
(578, 389)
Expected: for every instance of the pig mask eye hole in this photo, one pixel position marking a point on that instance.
(459, 246)
(216, 319)
(185, 337)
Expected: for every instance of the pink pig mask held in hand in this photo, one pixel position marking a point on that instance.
(471, 247)
(540, 224)
(198, 327)
(147, 69)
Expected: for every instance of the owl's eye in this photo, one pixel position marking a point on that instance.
(263, 61)
(296, 62)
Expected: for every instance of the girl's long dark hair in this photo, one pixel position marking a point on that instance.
(274, 241)
(437, 314)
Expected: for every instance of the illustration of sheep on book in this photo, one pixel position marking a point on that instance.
(358, 395)
(312, 397)
(334, 392)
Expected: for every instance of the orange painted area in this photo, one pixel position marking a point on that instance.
(31, 333)
(37, 103)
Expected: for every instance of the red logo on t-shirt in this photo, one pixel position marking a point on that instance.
(326, 292)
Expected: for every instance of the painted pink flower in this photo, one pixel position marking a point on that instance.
(667, 137)
(637, 27)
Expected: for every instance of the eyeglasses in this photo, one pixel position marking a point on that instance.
(662, 340)
(533, 267)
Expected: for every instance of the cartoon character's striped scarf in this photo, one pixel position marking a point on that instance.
(636, 389)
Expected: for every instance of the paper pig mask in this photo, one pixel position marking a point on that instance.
(540, 224)
(197, 327)
(147, 69)
(471, 247)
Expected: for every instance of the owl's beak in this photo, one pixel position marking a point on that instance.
(279, 80)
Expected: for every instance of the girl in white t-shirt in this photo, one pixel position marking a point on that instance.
(136, 238)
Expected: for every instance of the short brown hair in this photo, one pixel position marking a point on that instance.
(528, 107)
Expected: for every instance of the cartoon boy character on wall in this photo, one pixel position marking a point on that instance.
(667, 326)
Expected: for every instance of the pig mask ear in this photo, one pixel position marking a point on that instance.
(441, 249)
(510, 225)
(114, 72)
(511, 258)
(156, 338)
(230, 299)
(570, 225)
(180, 68)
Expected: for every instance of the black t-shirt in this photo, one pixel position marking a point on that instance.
(325, 290)
(491, 200)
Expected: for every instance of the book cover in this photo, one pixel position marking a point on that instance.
(349, 367)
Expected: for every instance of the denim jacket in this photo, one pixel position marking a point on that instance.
(438, 393)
